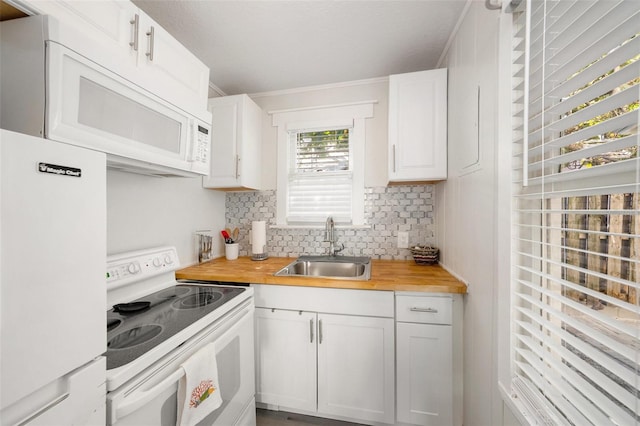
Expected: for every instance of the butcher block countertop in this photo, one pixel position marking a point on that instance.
(391, 275)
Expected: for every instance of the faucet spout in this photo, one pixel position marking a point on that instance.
(330, 236)
(329, 230)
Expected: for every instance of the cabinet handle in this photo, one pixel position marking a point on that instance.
(151, 35)
(237, 166)
(428, 310)
(394, 158)
(319, 331)
(311, 330)
(136, 26)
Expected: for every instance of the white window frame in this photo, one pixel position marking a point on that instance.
(350, 116)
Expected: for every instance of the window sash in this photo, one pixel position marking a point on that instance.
(576, 291)
(320, 182)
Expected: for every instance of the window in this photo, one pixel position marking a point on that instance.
(320, 176)
(321, 164)
(576, 289)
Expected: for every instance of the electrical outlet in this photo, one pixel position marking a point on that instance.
(403, 239)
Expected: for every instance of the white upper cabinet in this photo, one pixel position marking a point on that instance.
(418, 126)
(236, 144)
(122, 38)
(164, 59)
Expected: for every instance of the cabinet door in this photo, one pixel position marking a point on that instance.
(224, 171)
(418, 126)
(236, 144)
(356, 367)
(286, 358)
(424, 374)
(170, 67)
(109, 23)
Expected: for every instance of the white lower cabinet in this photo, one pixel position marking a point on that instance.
(328, 358)
(372, 357)
(424, 374)
(286, 358)
(429, 362)
(355, 367)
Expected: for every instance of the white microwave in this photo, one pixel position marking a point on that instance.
(51, 91)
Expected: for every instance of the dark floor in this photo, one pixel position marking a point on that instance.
(282, 418)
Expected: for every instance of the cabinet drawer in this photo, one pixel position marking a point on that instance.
(424, 309)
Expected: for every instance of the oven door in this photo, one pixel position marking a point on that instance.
(151, 397)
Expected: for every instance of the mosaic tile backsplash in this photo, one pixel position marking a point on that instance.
(387, 210)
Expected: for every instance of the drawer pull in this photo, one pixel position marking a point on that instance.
(427, 310)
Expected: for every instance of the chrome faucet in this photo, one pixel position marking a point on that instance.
(330, 236)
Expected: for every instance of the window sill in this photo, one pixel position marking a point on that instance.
(318, 226)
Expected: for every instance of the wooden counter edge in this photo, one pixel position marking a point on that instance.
(387, 275)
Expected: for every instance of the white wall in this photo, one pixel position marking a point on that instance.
(144, 212)
(376, 127)
(466, 216)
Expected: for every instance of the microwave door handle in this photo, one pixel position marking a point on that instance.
(139, 399)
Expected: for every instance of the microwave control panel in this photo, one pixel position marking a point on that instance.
(201, 146)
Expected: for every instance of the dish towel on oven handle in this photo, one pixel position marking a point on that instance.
(198, 389)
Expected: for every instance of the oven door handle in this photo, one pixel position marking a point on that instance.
(142, 397)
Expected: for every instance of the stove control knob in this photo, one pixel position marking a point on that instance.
(133, 268)
(157, 262)
(167, 259)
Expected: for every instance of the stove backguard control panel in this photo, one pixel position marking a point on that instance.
(137, 266)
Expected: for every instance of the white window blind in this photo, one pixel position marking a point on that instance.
(576, 289)
(320, 176)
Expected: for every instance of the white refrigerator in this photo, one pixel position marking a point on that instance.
(52, 282)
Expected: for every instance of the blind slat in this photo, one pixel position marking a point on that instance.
(574, 380)
(618, 124)
(570, 412)
(566, 390)
(584, 328)
(592, 314)
(602, 147)
(611, 301)
(614, 368)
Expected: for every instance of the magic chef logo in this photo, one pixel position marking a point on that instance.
(54, 169)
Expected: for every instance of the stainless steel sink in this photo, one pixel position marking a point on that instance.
(340, 267)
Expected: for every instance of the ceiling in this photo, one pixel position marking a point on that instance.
(262, 46)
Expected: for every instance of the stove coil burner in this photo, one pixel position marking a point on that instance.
(203, 297)
(134, 336)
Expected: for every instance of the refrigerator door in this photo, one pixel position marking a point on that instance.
(53, 260)
(77, 399)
